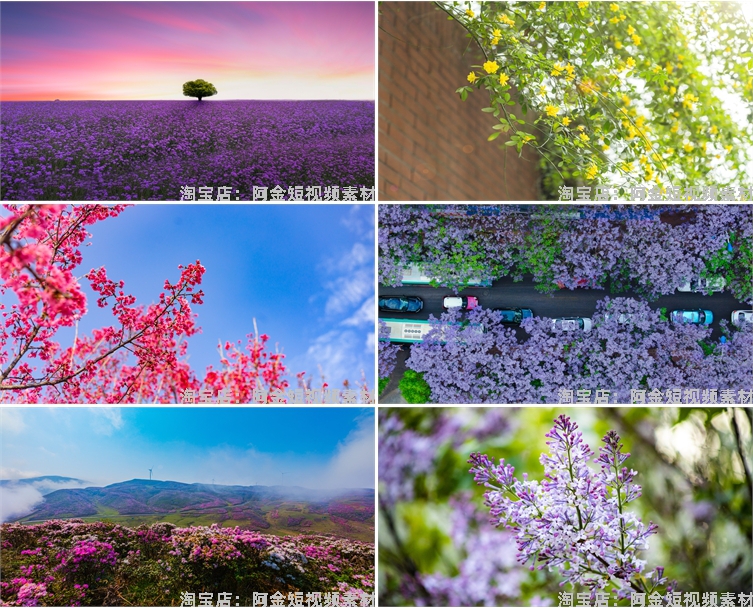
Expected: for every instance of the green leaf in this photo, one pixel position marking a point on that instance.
(510, 143)
(487, 109)
(494, 136)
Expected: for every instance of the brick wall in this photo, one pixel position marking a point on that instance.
(432, 145)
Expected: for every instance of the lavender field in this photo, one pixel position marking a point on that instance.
(147, 150)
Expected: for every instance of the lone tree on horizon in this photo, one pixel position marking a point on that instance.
(199, 88)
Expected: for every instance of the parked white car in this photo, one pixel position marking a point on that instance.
(742, 316)
(572, 323)
(701, 285)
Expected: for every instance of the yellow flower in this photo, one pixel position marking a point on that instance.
(675, 128)
(503, 78)
(670, 151)
(542, 6)
(506, 20)
(614, 20)
(703, 147)
(631, 30)
(526, 137)
(627, 167)
(689, 100)
(582, 4)
(632, 132)
(614, 7)
(584, 137)
(581, 127)
(656, 69)
(680, 57)
(670, 68)
(605, 147)
(570, 71)
(588, 86)
(557, 69)
(542, 90)
(495, 41)
(713, 130)
(688, 147)
(514, 39)
(552, 110)
(625, 99)
(728, 148)
(591, 171)
(497, 33)
(469, 12)
(636, 39)
(491, 67)
(630, 63)
(472, 77)
(622, 17)
(672, 90)
(639, 122)
(617, 44)
(566, 121)
(643, 159)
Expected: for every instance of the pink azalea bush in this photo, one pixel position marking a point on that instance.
(74, 563)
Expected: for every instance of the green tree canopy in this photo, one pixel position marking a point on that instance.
(199, 88)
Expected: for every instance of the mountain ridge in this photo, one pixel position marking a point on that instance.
(272, 509)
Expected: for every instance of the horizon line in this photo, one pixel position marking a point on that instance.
(186, 100)
(195, 483)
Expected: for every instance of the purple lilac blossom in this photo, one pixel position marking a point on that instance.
(645, 352)
(657, 250)
(387, 352)
(574, 520)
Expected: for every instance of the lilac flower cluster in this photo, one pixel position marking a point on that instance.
(574, 521)
(387, 352)
(486, 573)
(147, 150)
(654, 253)
(645, 352)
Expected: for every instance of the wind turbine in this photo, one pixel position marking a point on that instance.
(150, 474)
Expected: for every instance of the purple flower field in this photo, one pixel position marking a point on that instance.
(147, 150)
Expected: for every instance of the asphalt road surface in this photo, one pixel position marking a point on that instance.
(563, 303)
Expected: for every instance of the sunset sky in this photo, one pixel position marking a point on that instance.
(147, 50)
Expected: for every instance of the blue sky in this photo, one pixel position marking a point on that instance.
(304, 272)
(316, 447)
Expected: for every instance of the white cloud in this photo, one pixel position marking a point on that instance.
(11, 420)
(353, 465)
(105, 420)
(8, 473)
(360, 221)
(364, 316)
(18, 501)
(349, 291)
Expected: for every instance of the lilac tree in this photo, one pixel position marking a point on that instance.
(629, 347)
(575, 520)
(387, 352)
(652, 252)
